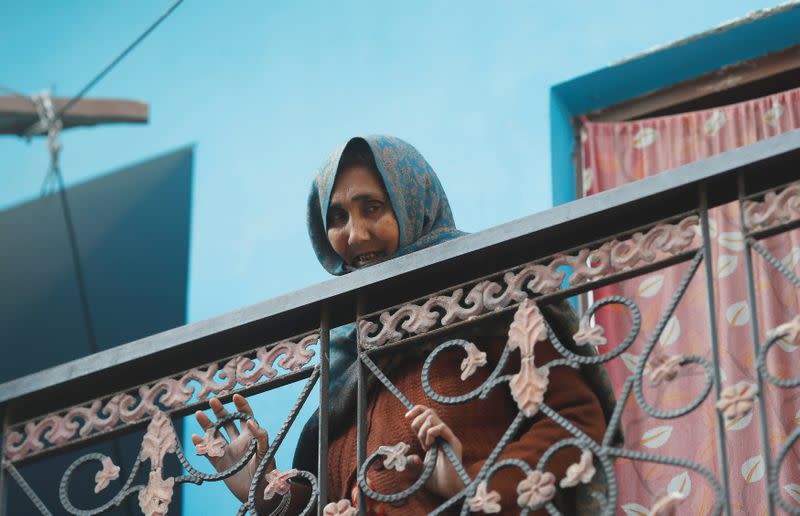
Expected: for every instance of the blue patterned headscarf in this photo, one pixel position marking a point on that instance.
(419, 202)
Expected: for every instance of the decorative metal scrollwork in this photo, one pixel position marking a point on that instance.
(533, 279)
(198, 384)
(538, 487)
(776, 208)
(160, 440)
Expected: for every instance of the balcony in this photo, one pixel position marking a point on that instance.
(587, 252)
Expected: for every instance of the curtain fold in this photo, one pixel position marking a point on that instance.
(620, 152)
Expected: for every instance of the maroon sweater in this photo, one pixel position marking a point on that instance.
(479, 424)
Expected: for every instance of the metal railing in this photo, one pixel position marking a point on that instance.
(510, 270)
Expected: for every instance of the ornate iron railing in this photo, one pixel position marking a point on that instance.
(517, 269)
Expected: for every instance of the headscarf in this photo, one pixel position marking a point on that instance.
(420, 204)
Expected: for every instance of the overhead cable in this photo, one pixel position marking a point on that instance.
(35, 128)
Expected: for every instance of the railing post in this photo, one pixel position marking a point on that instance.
(362, 405)
(3, 477)
(712, 321)
(324, 383)
(751, 298)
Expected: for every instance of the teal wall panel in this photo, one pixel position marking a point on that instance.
(132, 228)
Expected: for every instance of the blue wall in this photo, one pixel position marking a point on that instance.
(132, 228)
(654, 71)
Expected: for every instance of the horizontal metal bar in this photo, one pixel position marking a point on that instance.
(183, 411)
(761, 234)
(764, 164)
(540, 299)
(496, 275)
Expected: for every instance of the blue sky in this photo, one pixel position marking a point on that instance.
(265, 90)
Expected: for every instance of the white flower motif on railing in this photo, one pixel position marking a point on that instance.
(736, 401)
(100, 416)
(212, 445)
(103, 477)
(395, 456)
(664, 368)
(340, 508)
(775, 209)
(154, 499)
(528, 387)
(530, 383)
(159, 440)
(527, 329)
(278, 482)
(592, 335)
(536, 489)
(487, 502)
(475, 359)
(580, 472)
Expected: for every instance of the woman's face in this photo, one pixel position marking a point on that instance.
(362, 227)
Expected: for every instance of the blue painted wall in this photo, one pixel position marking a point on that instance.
(132, 228)
(653, 71)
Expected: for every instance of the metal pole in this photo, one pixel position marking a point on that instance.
(324, 384)
(361, 420)
(712, 322)
(3, 480)
(27, 489)
(751, 298)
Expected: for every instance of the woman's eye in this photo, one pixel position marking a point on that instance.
(336, 217)
(374, 207)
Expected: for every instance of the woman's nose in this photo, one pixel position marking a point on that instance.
(359, 232)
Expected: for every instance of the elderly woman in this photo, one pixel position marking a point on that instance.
(374, 199)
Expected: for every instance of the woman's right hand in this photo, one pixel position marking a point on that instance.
(428, 426)
(234, 450)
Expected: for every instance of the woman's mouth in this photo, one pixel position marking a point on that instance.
(368, 258)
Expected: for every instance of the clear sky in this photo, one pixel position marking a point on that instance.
(267, 89)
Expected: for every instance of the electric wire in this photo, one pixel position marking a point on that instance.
(97, 78)
(76, 260)
(55, 172)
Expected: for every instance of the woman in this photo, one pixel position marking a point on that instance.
(378, 198)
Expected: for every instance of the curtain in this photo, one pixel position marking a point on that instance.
(617, 153)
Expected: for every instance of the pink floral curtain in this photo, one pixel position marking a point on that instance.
(617, 153)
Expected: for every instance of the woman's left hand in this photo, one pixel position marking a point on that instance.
(427, 424)
(234, 450)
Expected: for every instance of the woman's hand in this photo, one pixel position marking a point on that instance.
(428, 426)
(239, 442)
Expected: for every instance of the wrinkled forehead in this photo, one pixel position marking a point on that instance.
(332, 168)
(405, 175)
(356, 183)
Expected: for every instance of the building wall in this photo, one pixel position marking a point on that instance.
(132, 227)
